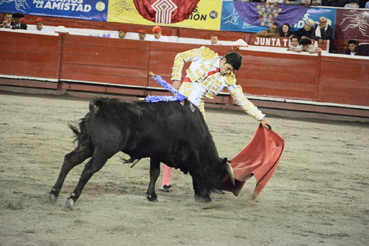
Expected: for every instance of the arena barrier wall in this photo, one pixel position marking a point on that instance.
(70, 64)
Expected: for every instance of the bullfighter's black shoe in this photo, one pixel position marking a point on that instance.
(165, 188)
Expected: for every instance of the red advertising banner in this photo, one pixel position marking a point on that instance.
(165, 11)
(352, 24)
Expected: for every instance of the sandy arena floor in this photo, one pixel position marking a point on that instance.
(317, 196)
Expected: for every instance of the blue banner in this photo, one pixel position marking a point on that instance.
(79, 9)
(231, 21)
(265, 14)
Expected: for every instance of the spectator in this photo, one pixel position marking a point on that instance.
(307, 46)
(39, 24)
(294, 44)
(354, 4)
(298, 2)
(316, 2)
(323, 31)
(17, 24)
(285, 31)
(351, 48)
(367, 5)
(214, 39)
(121, 33)
(141, 35)
(6, 23)
(157, 35)
(271, 32)
(307, 31)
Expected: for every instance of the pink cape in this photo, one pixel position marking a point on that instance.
(260, 158)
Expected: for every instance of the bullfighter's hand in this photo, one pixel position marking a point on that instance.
(266, 123)
(176, 84)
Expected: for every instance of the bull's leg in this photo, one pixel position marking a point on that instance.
(97, 161)
(154, 174)
(71, 160)
(202, 194)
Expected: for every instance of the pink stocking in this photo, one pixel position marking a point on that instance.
(166, 175)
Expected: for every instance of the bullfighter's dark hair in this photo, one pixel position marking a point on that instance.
(235, 59)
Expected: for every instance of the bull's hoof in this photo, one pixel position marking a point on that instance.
(205, 199)
(52, 198)
(152, 197)
(70, 203)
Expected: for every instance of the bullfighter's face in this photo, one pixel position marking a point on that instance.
(225, 68)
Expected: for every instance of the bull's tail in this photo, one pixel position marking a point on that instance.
(81, 134)
(74, 129)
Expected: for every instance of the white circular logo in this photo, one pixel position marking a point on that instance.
(100, 6)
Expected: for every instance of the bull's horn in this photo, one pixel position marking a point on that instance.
(230, 172)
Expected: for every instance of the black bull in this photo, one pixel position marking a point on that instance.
(170, 132)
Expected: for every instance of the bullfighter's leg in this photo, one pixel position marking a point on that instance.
(154, 174)
(71, 160)
(97, 161)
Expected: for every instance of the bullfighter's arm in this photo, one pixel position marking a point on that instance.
(241, 100)
(187, 56)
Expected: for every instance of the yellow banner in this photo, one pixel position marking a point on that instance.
(206, 15)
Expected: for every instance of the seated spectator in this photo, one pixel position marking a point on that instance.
(271, 32)
(307, 31)
(157, 35)
(141, 35)
(6, 23)
(122, 33)
(294, 44)
(354, 4)
(307, 46)
(323, 31)
(214, 40)
(39, 24)
(351, 48)
(316, 2)
(285, 31)
(298, 2)
(367, 5)
(17, 24)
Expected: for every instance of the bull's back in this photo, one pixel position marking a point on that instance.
(147, 129)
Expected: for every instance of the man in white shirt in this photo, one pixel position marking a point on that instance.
(157, 35)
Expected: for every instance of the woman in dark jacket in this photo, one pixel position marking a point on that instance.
(285, 31)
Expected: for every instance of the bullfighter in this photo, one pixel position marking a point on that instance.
(206, 77)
